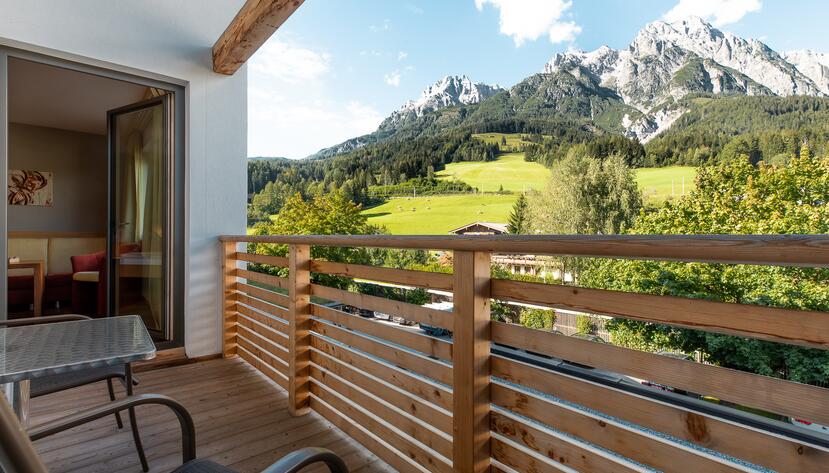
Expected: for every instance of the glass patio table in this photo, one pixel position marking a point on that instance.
(34, 351)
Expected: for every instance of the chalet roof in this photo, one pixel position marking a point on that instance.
(498, 227)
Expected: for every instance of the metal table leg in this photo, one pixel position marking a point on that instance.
(133, 423)
(17, 394)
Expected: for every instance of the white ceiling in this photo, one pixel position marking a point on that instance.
(54, 97)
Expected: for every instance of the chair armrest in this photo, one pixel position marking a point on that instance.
(299, 459)
(188, 429)
(48, 319)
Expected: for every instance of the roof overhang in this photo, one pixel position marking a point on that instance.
(256, 21)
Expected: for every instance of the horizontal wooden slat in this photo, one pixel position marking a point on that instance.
(275, 281)
(794, 250)
(399, 397)
(266, 357)
(261, 324)
(273, 318)
(397, 356)
(264, 368)
(403, 277)
(410, 449)
(367, 438)
(800, 327)
(626, 441)
(415, 313)
(762, 392)
(264, 294)
(263, 259)
(771, 451)
(520, 461)
(425, 344)
(555, 447)
(397, 418)
(418, 386)
(275, 349)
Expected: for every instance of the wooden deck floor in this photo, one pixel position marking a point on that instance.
(241, 422)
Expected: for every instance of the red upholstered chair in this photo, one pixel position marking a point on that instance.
(89, 284)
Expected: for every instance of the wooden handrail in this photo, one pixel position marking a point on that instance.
(782, 250)
(447, 404)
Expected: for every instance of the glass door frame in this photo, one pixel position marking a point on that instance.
(177, 177)
(113, 212)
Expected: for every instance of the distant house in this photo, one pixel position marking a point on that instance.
(481, 228)
(516, 264)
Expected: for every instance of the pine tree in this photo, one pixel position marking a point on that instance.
(518, 216)
(805, 152)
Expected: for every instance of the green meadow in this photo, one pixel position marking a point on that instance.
(661, 184)
(509, 170)
(436, 215)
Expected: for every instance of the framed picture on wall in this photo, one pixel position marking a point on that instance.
(30, 188)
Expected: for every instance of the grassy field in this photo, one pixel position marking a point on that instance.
(509, 170)
(512, 139)
(439, 214)
(661, 184)
(436, 215)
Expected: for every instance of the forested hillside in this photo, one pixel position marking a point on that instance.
(770, 126)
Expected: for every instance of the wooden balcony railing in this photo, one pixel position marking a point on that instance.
(488, 397)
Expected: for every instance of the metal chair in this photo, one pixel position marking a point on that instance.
(18, 455)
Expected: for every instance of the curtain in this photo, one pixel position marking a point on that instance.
(142, 205)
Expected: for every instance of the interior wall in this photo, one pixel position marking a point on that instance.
(78, 163)
(171, 40)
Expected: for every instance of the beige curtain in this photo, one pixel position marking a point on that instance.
(142, 203)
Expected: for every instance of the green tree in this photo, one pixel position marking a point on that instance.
(805, 152)
(733, 198)
(268, 201)
(585, 325)
(586, 195)
(330, 214)
(541, 319)
(518, 217)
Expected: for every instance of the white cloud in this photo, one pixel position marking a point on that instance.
(292, 109)
(561, 32)
(718, 12)
(528, 20)
(414, 9)
(289, 63)
(402, 55)
(385, 26)
(392, 78)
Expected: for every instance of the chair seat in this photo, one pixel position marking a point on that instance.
(85, 276)
(201, 465)
(71, 379)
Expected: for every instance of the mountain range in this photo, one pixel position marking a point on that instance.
(637, 91)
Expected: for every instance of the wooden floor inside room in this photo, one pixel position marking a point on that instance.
(241, 422)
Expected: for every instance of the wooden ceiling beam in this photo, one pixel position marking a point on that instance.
(256, 21)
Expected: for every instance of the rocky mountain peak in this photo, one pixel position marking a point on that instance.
(813, 65)
(450, 91)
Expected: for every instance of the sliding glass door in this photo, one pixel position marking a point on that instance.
(139, 218)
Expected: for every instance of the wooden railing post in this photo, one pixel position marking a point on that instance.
(229, 317)
(299, 324)
(470, 362)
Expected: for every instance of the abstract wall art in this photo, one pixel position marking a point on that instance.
(30, 188)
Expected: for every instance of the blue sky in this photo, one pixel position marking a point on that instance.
(336, 68)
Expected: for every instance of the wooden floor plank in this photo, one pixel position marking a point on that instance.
(241, 421)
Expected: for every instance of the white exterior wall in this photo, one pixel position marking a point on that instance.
(171, 41)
